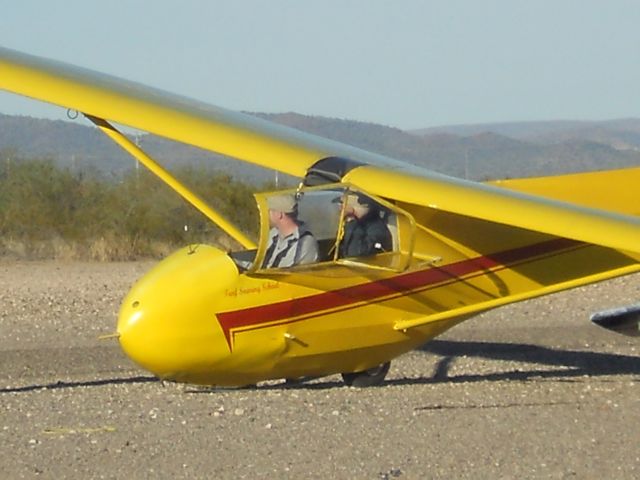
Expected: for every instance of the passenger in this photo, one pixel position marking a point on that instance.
(365, 232)
(290, 243)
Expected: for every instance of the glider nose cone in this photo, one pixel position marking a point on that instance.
(132, 330)
(138, 334)
(167, 322)
(129, 318)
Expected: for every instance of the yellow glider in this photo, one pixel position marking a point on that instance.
(456, 247)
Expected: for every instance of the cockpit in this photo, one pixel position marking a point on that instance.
(309, 228)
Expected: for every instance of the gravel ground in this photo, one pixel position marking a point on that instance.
(527, 391)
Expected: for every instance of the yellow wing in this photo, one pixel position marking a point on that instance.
(487, 202)
(293, 152)
(613, 190)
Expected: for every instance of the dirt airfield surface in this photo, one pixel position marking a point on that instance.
(532, 390)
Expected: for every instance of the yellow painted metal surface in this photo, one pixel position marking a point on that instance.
(194, 318)
(241, 136)
(613, 190)
(455, 313)
(507, 207)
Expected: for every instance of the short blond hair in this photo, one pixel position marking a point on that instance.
(285, 203)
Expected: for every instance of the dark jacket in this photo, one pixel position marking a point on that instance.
(366, 236)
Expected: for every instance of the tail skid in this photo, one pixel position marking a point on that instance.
(623, 320)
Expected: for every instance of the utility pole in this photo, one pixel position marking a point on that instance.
(466, 164)
(137, 142)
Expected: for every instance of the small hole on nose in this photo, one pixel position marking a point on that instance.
(135, 304)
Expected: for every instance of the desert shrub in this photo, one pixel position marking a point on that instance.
(135, 216)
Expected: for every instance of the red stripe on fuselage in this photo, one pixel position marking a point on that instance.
(371, 291)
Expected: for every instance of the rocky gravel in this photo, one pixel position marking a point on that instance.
(531, 390)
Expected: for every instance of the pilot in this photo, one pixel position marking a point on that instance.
(290, 242)
(365, 232)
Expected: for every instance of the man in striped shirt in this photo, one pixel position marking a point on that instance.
(290, 242)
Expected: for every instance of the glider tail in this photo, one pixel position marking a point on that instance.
(611, 190)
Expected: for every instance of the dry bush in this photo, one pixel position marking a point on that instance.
(49, 212)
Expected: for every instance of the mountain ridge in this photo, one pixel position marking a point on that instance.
(479, 152)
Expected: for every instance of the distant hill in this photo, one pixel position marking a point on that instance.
(619, 133)
(83, 147)
(490, 151)
(473, 151)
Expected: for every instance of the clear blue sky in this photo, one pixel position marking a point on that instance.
(408, 64)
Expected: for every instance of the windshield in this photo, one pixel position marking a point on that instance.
(330, 224)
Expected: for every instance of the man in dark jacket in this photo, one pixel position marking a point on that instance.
(365, 232)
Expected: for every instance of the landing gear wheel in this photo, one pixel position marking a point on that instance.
(368, 378)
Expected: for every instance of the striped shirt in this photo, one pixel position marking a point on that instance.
(299, 247)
